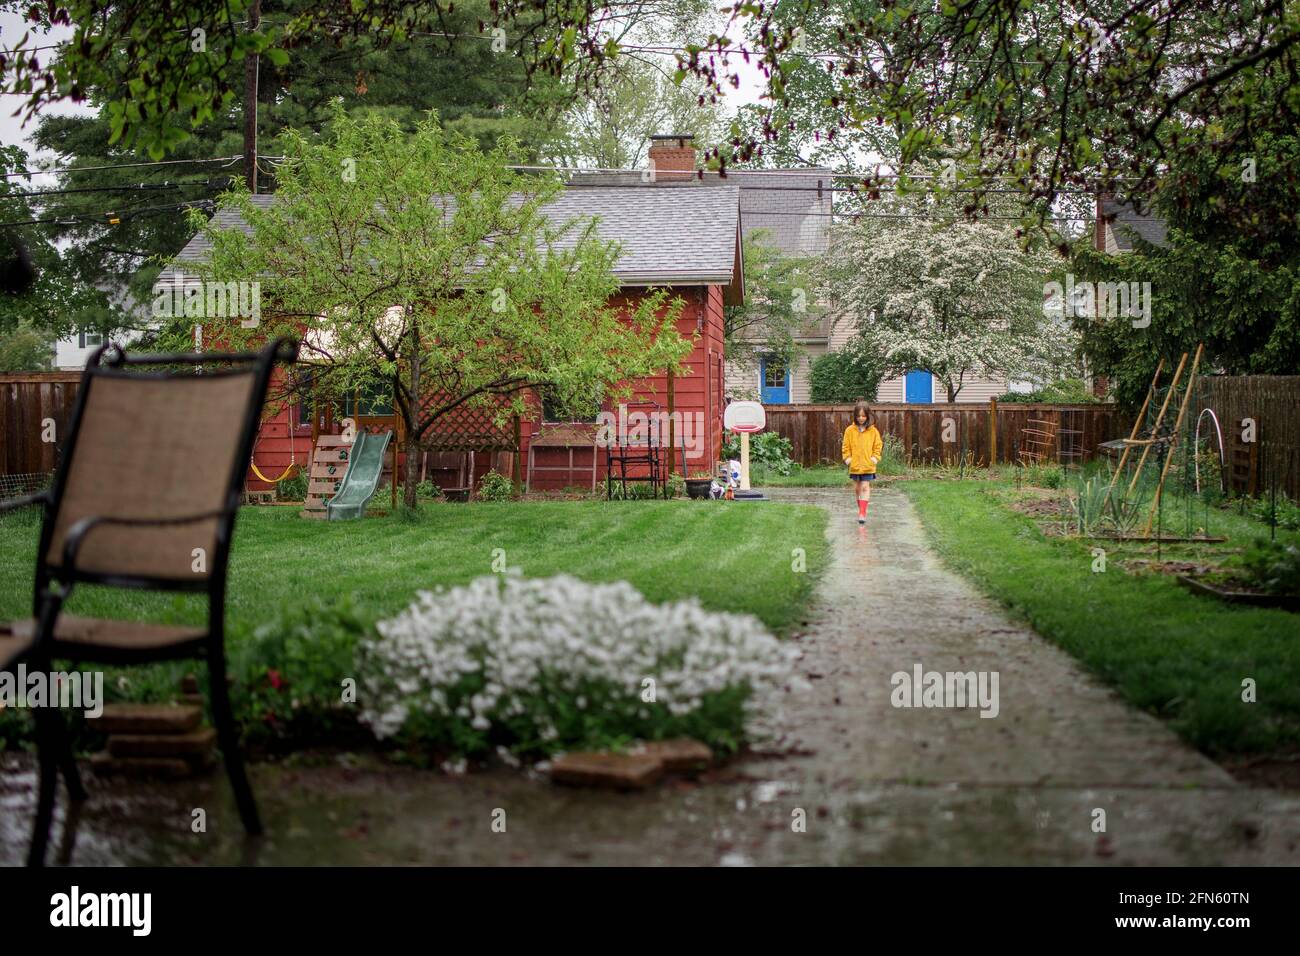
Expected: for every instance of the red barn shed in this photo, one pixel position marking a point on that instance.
(676, 232)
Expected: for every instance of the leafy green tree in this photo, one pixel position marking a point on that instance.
(26, 348)
(185, 59)
(779, 304)
(1230, 274)
(1049, 95)
(610, 128)
(420, 265)
(119, 225)
(1074, 93)
(37, 293)
(847, 374)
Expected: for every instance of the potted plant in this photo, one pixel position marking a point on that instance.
(697, 486)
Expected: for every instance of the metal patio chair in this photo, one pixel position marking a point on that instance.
(145, 496)
(644, 460)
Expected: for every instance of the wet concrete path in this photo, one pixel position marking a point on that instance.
(876, 784)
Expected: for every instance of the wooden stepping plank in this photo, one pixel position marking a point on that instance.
(196, 743)
(608, 770)
(680, 755)
(167, 768)
(147, 719)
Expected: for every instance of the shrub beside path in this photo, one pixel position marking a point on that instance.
(871, 783)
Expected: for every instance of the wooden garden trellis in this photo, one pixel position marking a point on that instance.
(1154, 435)
(468, 429)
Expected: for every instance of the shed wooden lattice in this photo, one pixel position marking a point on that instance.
(470, 428)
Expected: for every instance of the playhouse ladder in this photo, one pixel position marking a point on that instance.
(329, 463)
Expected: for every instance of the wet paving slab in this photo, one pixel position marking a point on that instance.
(854, 780)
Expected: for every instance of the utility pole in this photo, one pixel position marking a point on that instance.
(250, 102)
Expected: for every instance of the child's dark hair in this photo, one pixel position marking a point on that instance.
(863, 407)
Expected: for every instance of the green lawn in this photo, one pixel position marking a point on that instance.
(733, 558)
(1173, 653)
(308, 584)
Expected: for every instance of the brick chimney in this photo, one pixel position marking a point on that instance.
(672, 156)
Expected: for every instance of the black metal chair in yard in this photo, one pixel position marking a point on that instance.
(643, 460)
(145, 496)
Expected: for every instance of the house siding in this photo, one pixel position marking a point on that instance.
(979, 389)
(698, 393)
(742, 381)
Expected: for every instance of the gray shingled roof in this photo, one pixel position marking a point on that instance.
(668, 237)
(793, 206)
(1129, 224)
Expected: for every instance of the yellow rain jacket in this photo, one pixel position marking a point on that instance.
(862, 449)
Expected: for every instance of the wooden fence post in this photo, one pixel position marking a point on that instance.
(993, 432)
(517, 472)
(672, 425)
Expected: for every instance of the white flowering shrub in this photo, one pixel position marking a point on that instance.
(547, 664)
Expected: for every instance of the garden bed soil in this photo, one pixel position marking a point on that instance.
(1279, 771)
(1238, 593)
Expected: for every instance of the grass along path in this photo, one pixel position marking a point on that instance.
(1174, 654)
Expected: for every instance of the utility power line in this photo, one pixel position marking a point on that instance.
(118, 218)
(130, 187)
(228, 160)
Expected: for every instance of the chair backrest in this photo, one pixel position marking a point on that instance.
(156, 446)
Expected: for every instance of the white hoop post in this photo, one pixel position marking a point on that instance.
(743, 418)
(744, 461)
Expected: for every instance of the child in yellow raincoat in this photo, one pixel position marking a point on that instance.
(861, 452)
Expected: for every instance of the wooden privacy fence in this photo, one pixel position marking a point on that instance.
(1260, 419)
(935, 433)
(35, 409)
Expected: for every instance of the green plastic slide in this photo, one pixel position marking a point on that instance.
(365, 465)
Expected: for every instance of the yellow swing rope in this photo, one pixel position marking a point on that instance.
(293, 455)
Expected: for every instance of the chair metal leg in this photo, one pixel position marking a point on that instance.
(228, 738)
(48, 787)
(67, 758)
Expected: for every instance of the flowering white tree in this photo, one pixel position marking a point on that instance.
(958, 298)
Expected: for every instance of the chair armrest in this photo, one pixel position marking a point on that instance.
(77, 533)
(15, 503)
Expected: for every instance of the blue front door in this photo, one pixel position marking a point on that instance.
(774, 382)
(919, 387)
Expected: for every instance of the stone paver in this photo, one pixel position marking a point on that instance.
(874, 784)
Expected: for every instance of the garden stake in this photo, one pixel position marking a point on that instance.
(1155, 428)
(1182, 411)
(1137, 426)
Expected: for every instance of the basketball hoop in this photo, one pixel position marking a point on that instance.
(744, 418)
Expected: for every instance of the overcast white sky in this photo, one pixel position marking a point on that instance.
(12, 129)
